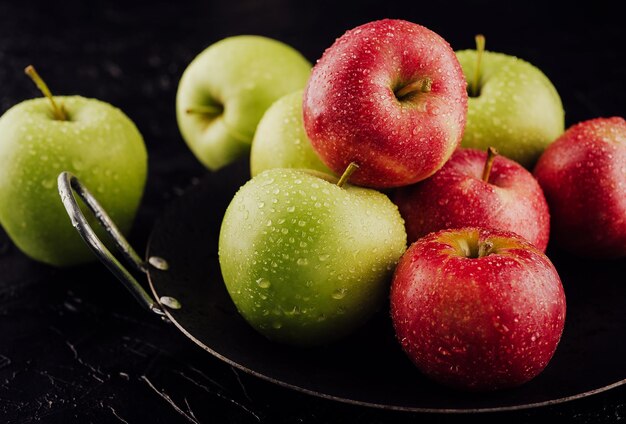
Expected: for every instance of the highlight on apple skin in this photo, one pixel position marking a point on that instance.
(389, 95)
(459, 196)
(477, 309)
(583, 175)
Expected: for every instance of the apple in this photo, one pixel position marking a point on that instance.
(306, 258)
(476, 189)
(39, 139)
(477, 309)
(583, 175)
(512, 105)
(225, 90)
(280, 140)
(389, 95)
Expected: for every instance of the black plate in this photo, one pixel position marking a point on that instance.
(369, 368)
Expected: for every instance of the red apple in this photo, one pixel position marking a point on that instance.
(477, 309)
(583, 175)
(389, 95)
(472, 190)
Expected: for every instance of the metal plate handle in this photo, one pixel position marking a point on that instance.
(68, 184)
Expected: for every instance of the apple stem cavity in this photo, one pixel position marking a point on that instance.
(475, 249)
(422, 85)
(480, 48)
(491, 156)
(346, 174)
(210, 110)
(57, 110)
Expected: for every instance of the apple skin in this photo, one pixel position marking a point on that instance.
(280, 140)
(243, 75)
(352, 114)
(456, 197)
(306, 261)
(518, 111)
(477, 323)
(583, 175)
(98, 143)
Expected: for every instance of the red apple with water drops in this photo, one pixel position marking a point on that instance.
(477, 309)
(476, 188)
(389, 95)
(583, 175)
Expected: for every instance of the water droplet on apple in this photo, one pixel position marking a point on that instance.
(47, 183)
(264, 283)
(443, 351)
(339, 293)
(324, 257)
(291, 208)
(261, 204)
(277, 325)
(294, 311)
(302, 261)
(301, 223)
(78, 165)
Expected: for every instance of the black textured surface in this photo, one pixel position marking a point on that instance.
(74, 347)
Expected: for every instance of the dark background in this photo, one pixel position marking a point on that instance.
(74, 347)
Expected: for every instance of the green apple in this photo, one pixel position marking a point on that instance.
(512, 105)
(225, 90)
(42, 137)
(280, 140)
(305, 258)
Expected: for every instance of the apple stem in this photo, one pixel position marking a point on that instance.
(422, 85)
(491, 155)
(346, 174)
(204, 110)
(480, 48)
(484, 248)
(58, 111)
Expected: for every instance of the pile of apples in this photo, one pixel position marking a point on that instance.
(390, 138)
(365, 151)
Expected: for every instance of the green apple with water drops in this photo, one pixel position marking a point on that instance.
(42, 137)
(225, 90)
(512, 105)
(280, 140)
(306, 258)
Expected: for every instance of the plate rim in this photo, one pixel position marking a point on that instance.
(381, 406)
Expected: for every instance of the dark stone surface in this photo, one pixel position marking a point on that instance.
(74, 347)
